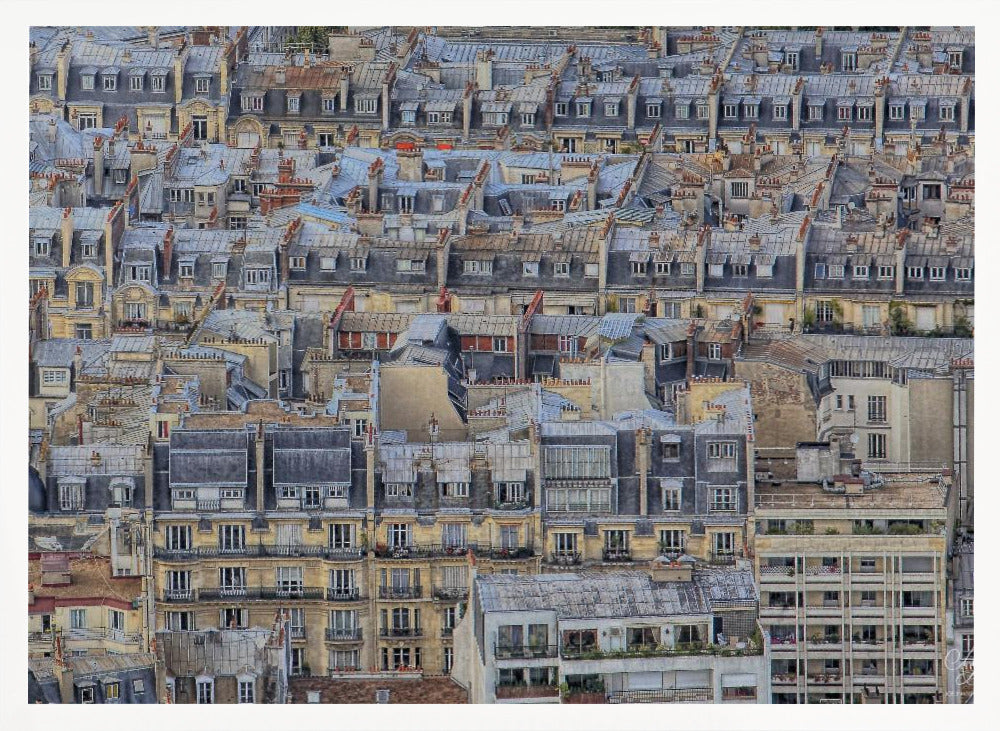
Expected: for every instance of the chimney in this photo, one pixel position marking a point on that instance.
(692, 342)
(484, 69)
(179, 58)
(153, 36)
(411, 165)
(168, 252)
(77, 362)
(66, 233)
(467, 110)
(642, 462)
(258, 448)
(279, 75)
(98, 165)
(819, 43)
(345, 84)
(50, 132)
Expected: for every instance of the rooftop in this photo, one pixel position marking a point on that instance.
(898, 492)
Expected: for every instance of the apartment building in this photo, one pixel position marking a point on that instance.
(672, 636)
(852, 575)
(130, 677)
(960, 659)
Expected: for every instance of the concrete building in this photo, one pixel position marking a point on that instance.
(670, 636)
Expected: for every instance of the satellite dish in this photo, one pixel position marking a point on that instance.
(854, 438)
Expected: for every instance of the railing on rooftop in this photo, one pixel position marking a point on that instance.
(506, 652)
(666, 695)
(343, 634)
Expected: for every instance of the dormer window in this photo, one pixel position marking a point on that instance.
(730, 111)
(557, 204)
(955, 60)
(365, 105)
(583, 109)
(185, 270)
(252, 102)
(917, 111)
(701, 110)
(560, 269)
(682, 110)
(886, 272)
(815, 111)
(201, 85)
(135, 82)
(897, 112)
(110, 82)
(297, 262)
(963, 275)
(860, 271)
(328, 263)
(780, 112)
(864, 113)
(87, 82)
(359, 263)
(258, 276)
(158, 83)
(474, 266)
(792, 60)
(45, 82)
(849, 61)
(750, 110)
(293, 103)
(139, 272)
(530, 268)
(409, 116)
(611, 109)
(845, 112)
(528, 119)
(329, 104)
(946, 112)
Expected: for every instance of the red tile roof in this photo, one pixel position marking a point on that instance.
(440, 689)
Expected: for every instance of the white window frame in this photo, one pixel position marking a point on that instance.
(205, 691)
(109, 82)
(202, 86)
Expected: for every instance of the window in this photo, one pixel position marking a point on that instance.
(848, 61)
(138, 685)
(233, 618)
(557, 204)
(639, 268)
(729, 111)
(662, 268)
(750, 110)
(110, 82)
(715, 270)
(258, 276)
(653, 110)
(616, 541)
(740, 270)
(627, 304)
(530, 268)
(342, 535)
(45, 82)
(78, 618)
(139, 273)
(845, 113)
(399, 535)
(293, 105)
(876, 409)
(724, 544)
(477, 267)
(955, 59)
(917, 111)
(157, 83)
(723, 498)
(297, 262)
(233, 579)
(967, 647)
(937, 274)
(860, 271)
(876, 446)
(966, 606)
(199, 127)
(342, 581)
(739, 190)
(896, 112)
(112, 691)
(701, 110)
(885, 272)
(682, 110)
(206, 691)
(180, 621)
(201, 85)
(87, 82)
(715, 351)
(83, 332)
(671, 541)
(792, 60)
(366, 106)
(815, 112)
(41, 246)
(135, 83)
(672, 450)
(398, 489)
(178, 537)
(454, 489)
(528, 119)
(330, 105)
(932, 192)
(565, 543)
(246, 691)
(583, 109)
(722, 450)
(328, 263)
(562, 109)
(864, 114)
(560, 269)
(510, 536)
(359, 263)
(252, 102)
(453, 535)
(671, 498)
(780, 112)
(232, 538)
(71, 496)
(54, 375)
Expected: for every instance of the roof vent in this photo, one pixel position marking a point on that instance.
(382, 695)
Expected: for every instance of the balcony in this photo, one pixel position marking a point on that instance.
(178, 595)
(641, 651)
(524, 652)
(391, 632)
(510, 692)
(400, 592)
(90, 634)
(507, 554)
(208, 506)
(565, 558)
(823, 573)
(343, 595)
(666, 695)
(297, 633)
(343, 634)
(429, 550)
(451, 593)
(260, 550)
(784, 679)
(615, 555)
(825, 678)
(725, 558)
(524, 504)
(262, 593)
